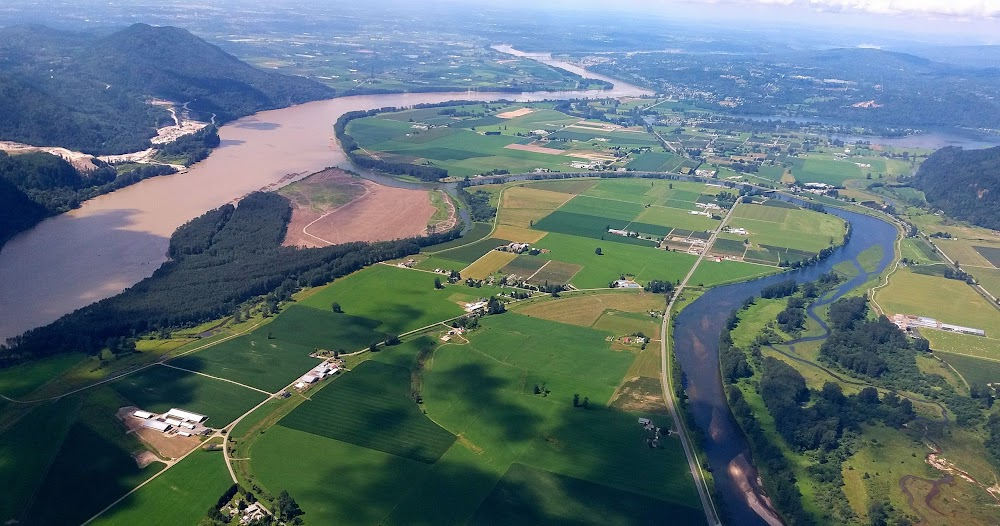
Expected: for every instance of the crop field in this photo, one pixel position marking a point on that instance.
(947, 300)
(524, 266)
(534, 198)
(617, 259)
(987, 348)
(602, 207)
(253, 359)
(674, 218)
(824, 171)
(555, 272)
(179, 496)
(585, 310)
(27, 449)
(479, 231)
(989, 279)
(518, 234)
(711, 273)
(323, 329)
(469, 253)
(588, 226)
(628, 323)
(531, 496)
(566, 186)
(964, 251)
(371, 407)
(916, 249)
(976, 371)
(19, 380)
(800, 230)
(992, 254)
(402, 299)
(488, 264)
(159, 388)
(657, 162)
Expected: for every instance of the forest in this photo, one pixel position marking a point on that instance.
(963, 183)
(220, 260)
(90, 91)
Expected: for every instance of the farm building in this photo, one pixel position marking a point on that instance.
(185, 416)
(145, 415)
(174, 421)
(905, 321)
(184, 433)
(157, 425)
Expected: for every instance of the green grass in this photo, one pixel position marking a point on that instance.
(479, 231)
(989, 279)
(645, 263)
(402, 299)
(975, 371)
(711, 273)
(601, 207)
(254, 360)
(181, 495)
(371, 407)
(324, 329)
(674, 218)
(159, 388)
(22, 379)
(656, 162)
(531, 496)
(591, 226)
(948, 300)
(801, 230)
(27, 448)
(825, 171)
(870, 258)
(469, 253)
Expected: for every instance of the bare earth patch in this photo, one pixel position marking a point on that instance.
(515, 113)
(534, 148)
(380, 213)
(168, 445)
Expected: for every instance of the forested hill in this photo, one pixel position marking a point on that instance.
(965, 184)
(90, 92)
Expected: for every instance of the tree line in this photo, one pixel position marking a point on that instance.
(220, 260)
(963, 183)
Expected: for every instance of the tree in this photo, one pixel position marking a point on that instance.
(586, 402)
(598, 251)
(538, 390)
(337, 308)
(437, 283)
(373, 347)
(576, 400)
(286, 507)
(391, 339)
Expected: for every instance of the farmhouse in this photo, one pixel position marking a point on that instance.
(626, 284)
(185, 416)
(157, 425)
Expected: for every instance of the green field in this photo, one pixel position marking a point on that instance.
(253, 359)
(976, 371)
(645, 263)
(159, 388)
(402, 299)
(479, 231)
(371, 407)
(674, 218)
(22, 379)
(656, 162)
(181, 495)
(589, 226)
(801, 230)
(530, 496)
(948, 300)
(483, 393)
(711, 273)
(825, 171)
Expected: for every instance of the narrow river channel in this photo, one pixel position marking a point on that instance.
(696, 345)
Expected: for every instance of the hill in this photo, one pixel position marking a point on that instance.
(89, 92)
(965, 184)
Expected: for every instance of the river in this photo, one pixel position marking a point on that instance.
(115, 240)
(696, 344)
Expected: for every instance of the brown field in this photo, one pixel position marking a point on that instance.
(379, 213)
(585, 310)
(518, 197)
(534, 148)
(592, 156)
(520, 112)
(518, 234)
(491, 262)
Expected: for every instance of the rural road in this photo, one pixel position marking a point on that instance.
(704, 492)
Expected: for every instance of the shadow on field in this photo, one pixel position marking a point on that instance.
(479, 388)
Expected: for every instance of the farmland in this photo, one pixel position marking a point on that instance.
(948, 300)
(469, 140)
(159, 388)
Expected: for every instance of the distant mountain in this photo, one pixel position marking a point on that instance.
(89, 92)
(965, 184)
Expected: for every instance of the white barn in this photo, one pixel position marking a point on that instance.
(145, 415)
(157, 425)
(186, 416)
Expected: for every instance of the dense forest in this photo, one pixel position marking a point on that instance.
(89, 92)
(34, 186)
(963, 183)
(219, 261)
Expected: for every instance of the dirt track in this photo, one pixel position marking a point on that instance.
(380, 213)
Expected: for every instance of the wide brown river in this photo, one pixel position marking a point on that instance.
(114, 241)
